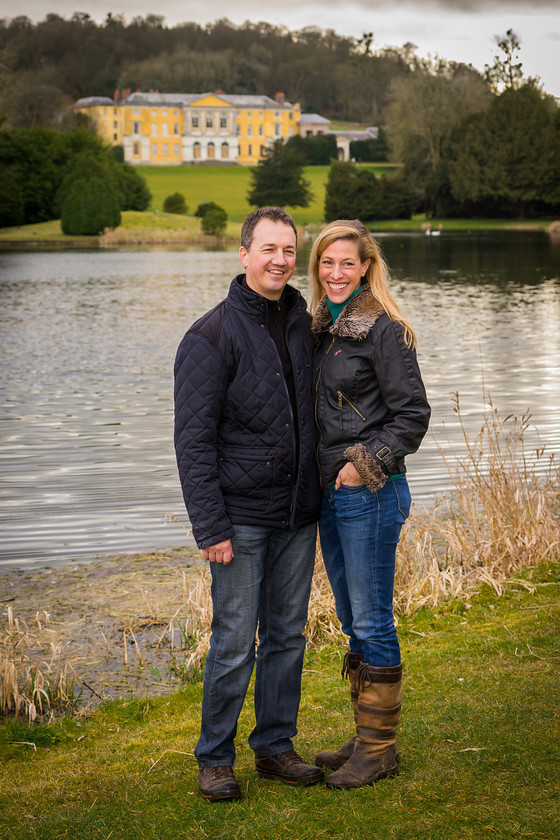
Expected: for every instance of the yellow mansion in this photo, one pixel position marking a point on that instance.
(190, 128)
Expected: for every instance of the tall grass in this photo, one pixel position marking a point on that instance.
(32, 690)
(500, 519)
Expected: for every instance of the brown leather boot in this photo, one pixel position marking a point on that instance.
(336, 758)
(375, 754)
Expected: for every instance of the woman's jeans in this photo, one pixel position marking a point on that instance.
(266, 584)
(359, 533)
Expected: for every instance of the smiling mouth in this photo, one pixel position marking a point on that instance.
(337, 287)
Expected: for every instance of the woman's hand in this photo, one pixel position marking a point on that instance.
(349, 476)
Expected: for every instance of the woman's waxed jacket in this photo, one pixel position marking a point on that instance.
(370, 402)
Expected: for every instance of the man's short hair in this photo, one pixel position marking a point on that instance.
(275, 214)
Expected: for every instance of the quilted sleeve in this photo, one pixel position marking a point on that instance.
(200, 385)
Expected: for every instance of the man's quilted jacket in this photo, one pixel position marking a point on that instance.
(238, 458)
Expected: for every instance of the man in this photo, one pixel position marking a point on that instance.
(244, 437)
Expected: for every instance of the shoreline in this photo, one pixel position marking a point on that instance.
(107, 619)
(31, 237)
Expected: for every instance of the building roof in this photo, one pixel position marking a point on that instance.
(369, 133)
(179, 99)
(89, 101)
(314, 119)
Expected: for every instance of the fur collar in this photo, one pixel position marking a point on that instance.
(355, 320)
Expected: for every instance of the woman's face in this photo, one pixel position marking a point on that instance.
(341, 270)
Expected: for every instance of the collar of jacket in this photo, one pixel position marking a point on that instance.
(242, 297)
(355, 321)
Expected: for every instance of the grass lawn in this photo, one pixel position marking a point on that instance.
(228, 187)
(480, 745)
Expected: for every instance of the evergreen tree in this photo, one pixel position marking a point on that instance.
(90, 206)
(507, 159)
(278, 179)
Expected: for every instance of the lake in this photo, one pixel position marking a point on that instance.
(87, 344)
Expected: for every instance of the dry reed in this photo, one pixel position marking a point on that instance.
(32, 690)
(501, 518)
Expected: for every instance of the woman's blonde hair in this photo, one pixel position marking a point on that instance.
(376, 276)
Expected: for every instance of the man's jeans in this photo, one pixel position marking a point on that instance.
(266, 584)
(359, 533)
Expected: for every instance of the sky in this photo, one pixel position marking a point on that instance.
(463, 30)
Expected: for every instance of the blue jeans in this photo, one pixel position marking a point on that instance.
(359, 533)
(266, 585)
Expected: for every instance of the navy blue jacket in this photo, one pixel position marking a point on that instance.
(241, 460)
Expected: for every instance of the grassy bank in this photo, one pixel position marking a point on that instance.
(227, 186)
(479, 741)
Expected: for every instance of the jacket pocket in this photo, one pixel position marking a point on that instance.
(247, 471)
(343, 402)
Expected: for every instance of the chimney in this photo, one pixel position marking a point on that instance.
(280, 98)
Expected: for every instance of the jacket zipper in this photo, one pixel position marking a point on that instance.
(320, 373)
(341, 397)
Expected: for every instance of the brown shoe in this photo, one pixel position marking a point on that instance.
(288, 767)
(218, 783)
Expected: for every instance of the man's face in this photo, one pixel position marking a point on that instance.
(271, 259)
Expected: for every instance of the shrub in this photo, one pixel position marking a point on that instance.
(175, 203)
(89, 207)
(214, 221)
(202, 209)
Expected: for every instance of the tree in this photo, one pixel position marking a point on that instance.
(202, 209)
(355, 193)
(278, 179)
(425, 108)
(507, 159)
(89, 208)
(175, 203)
(314, 151)
(214, 221)
(505, 73)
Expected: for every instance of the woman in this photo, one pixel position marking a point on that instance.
(371, 411)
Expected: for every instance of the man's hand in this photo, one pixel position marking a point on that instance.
(349, 476)
(222, 552)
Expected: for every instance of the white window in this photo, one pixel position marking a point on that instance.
(209, 121)
(165, 113)
(154, 128)
(136, 112)
(165, 150)
(175, 113)
(223, 121)
(175, 129)
(104, 112)
(250, 150)
(250, 131)
(194, 121)
(115, 136)
(154, 149)
(136, 127)
(277, 130)
(165, 128)
(249, 113)
(115, 124)
(261, 130)
(154, 113)
(176, 149)
(277, 115)
(237, 130)
(136, 149)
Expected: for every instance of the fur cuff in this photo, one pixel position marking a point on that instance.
(366, 466)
